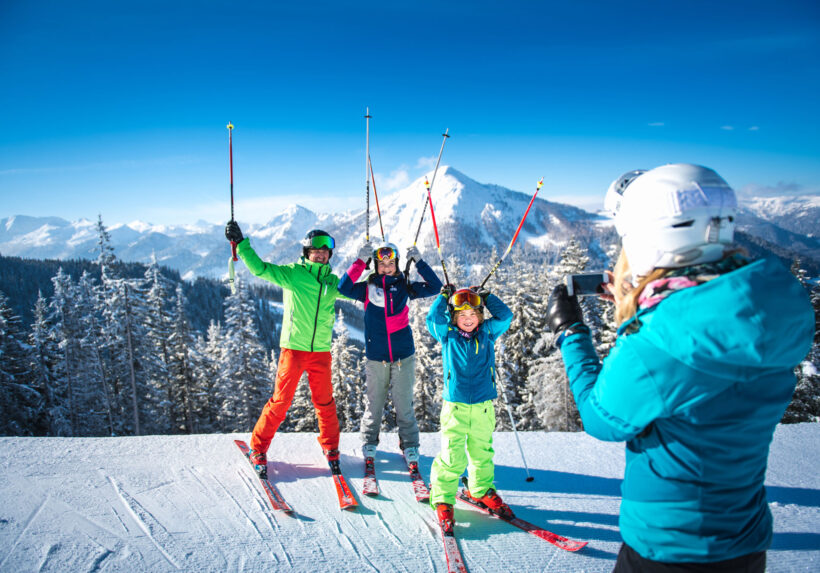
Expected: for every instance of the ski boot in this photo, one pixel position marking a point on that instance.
(369, 452)
(259, 461)
(446, 519)
(411, 456)
(494, 503)
(333, 460)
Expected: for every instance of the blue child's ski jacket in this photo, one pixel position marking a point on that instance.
(469, 362)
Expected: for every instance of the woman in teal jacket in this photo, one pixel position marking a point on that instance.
(700, 374)
(456, 319)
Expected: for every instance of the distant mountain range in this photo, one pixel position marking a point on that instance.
(473, 218)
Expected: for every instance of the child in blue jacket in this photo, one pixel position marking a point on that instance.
(456, 319)
(389, 346)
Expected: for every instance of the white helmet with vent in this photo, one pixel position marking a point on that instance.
(672, 216)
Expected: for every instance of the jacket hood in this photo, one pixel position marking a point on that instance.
(739, 326)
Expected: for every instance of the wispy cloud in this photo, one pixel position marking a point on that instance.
(426, 162)
(754, 128)
(727, 127)
(657, 124)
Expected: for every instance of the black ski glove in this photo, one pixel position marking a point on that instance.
(483, 292)
(447, 291)
(563, 310)
(233, 232)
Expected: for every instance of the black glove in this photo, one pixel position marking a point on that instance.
(233, 232)
(483, 292)
(447, 291)
(563, 310)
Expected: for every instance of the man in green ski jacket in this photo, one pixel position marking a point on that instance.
(310, 292)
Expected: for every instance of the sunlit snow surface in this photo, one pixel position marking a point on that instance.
(191, 503)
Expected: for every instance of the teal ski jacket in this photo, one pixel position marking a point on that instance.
(469, 363)
(697, 393)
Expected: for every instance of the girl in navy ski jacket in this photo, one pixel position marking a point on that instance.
(389, 346)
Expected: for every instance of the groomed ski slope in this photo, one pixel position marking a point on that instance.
(191, 503)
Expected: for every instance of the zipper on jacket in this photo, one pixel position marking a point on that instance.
(316, 317)
(386, 328)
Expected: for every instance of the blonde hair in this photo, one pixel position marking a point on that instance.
(627, 294)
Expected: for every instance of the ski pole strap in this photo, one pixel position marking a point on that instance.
(232, 272)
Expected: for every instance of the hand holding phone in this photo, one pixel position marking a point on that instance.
(587, 284)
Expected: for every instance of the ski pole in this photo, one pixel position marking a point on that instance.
(230, 155)
(424, 209)
(435, 228)
(367, 170)
(521, 224)
(232, 258)
(512, 423)
(376, 196)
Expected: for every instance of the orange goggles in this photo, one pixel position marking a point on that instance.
(465, 298)
(385, 254)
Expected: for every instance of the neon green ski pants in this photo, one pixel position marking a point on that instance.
(470, 427)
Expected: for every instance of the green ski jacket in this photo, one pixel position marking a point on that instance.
(309, 295)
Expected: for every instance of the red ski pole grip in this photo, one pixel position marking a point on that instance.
(233, 250)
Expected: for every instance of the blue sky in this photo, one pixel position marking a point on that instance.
(120, 108)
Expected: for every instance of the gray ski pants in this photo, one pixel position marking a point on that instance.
(379, 376)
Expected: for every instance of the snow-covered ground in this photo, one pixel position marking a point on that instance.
(191, 503)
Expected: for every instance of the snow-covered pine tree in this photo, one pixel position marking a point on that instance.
(98, 374)
(429, 368)
(52, 419)
(118, 336)
(66, 332)
(246, 369)
(210, 387)
(524, 292)
(180, 367)
(805, 404)
(547, 391)
(345, 378)
(159, 319)
(19, 402)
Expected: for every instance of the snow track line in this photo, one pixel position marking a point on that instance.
(392, 536)
(132, 506)
(29, 521)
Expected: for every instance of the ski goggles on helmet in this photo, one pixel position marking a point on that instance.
(322, 242)
(385, 254)
(465, 298)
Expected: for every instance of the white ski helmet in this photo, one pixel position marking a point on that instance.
(672, 216)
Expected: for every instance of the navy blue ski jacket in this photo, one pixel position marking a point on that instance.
(387, 332)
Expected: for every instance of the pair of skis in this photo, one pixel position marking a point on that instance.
(277, 501)
(455, 560)
(370, 486)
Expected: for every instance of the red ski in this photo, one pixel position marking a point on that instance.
(371, 484)
(455, 561)
(346, 499)
(555, 539)
(277, 502)
(419, 487)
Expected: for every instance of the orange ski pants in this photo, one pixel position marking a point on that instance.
(292, 363)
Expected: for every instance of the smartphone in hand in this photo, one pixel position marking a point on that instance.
(587, 284)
